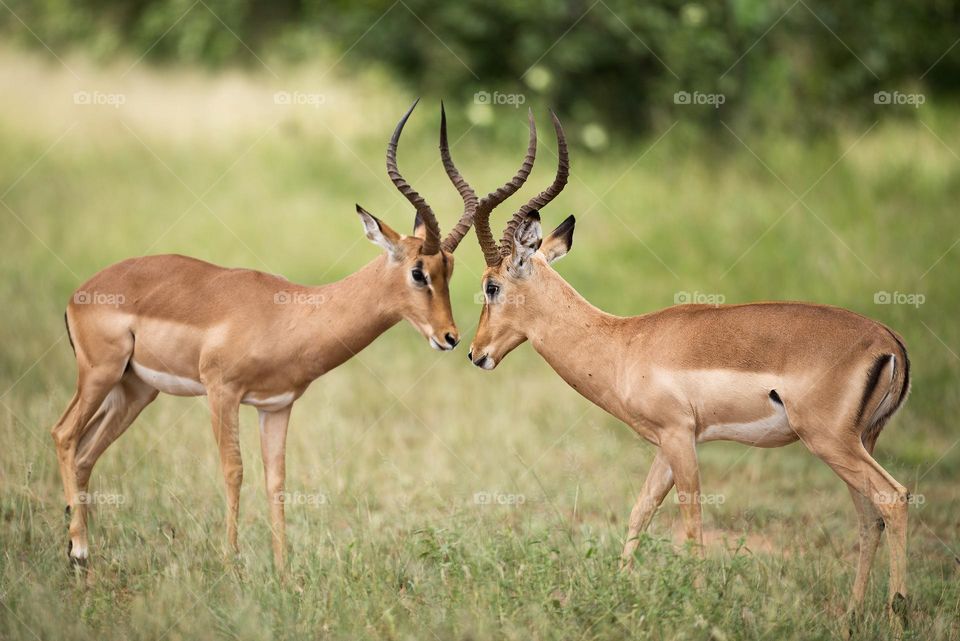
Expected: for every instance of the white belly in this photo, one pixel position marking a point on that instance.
(770, 431)
(168, 383)
(269, 403)
(182, 386)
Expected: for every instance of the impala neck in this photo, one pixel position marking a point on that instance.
(580, 342)
(348, 315)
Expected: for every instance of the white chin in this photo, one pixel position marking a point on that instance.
(488, 363)
(435, 345)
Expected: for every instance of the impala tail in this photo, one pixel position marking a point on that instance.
(887, 387)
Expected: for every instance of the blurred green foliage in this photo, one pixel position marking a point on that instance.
(615, 62)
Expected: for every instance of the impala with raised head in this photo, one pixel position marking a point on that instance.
(185, 327)
(763, 374)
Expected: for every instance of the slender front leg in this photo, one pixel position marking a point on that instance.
(655, 488)
(273, 443)
(680, 450)
(224, 411)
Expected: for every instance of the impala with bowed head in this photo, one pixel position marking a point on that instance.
(186, 327)
(762, 374)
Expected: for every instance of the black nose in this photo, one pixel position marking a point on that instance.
(451, 340)
(470, 356)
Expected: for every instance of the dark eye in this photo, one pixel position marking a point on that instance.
(419, 276)
(492, 291)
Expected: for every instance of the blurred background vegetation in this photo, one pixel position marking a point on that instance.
(615, 63)
(243, 133)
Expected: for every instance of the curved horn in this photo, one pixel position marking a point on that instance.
(540, 201)
(431, 244)
(470, 200)
(481, 223)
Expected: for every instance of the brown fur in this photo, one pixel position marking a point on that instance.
(245, 336)
(674, 373)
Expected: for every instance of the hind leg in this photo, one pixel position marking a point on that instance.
(95, 380)
(119, 409)
(93, 387)
(68, 417)
(846, 455)
(871, 526)
(122, 406)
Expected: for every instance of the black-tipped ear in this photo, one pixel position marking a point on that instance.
(419, 229)
(529, 233)
(560, 240)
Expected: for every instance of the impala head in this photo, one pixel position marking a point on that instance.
(518, 266)
(419, 267)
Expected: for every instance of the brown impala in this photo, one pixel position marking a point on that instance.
(763, 374)
(185, 327)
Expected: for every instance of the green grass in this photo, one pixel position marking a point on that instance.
(388, 451)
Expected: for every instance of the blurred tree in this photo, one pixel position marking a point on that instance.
(619, 63)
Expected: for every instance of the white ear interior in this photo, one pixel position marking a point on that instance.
(373, 231)
(526, 242)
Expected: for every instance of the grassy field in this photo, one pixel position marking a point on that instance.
(392, 457)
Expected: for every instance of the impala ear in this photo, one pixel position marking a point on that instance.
(419, 229)
(560, 240)
(526, 242)
(379, 233)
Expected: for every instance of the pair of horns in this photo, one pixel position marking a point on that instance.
(425, 215)
(494, 254)
(477, 211)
